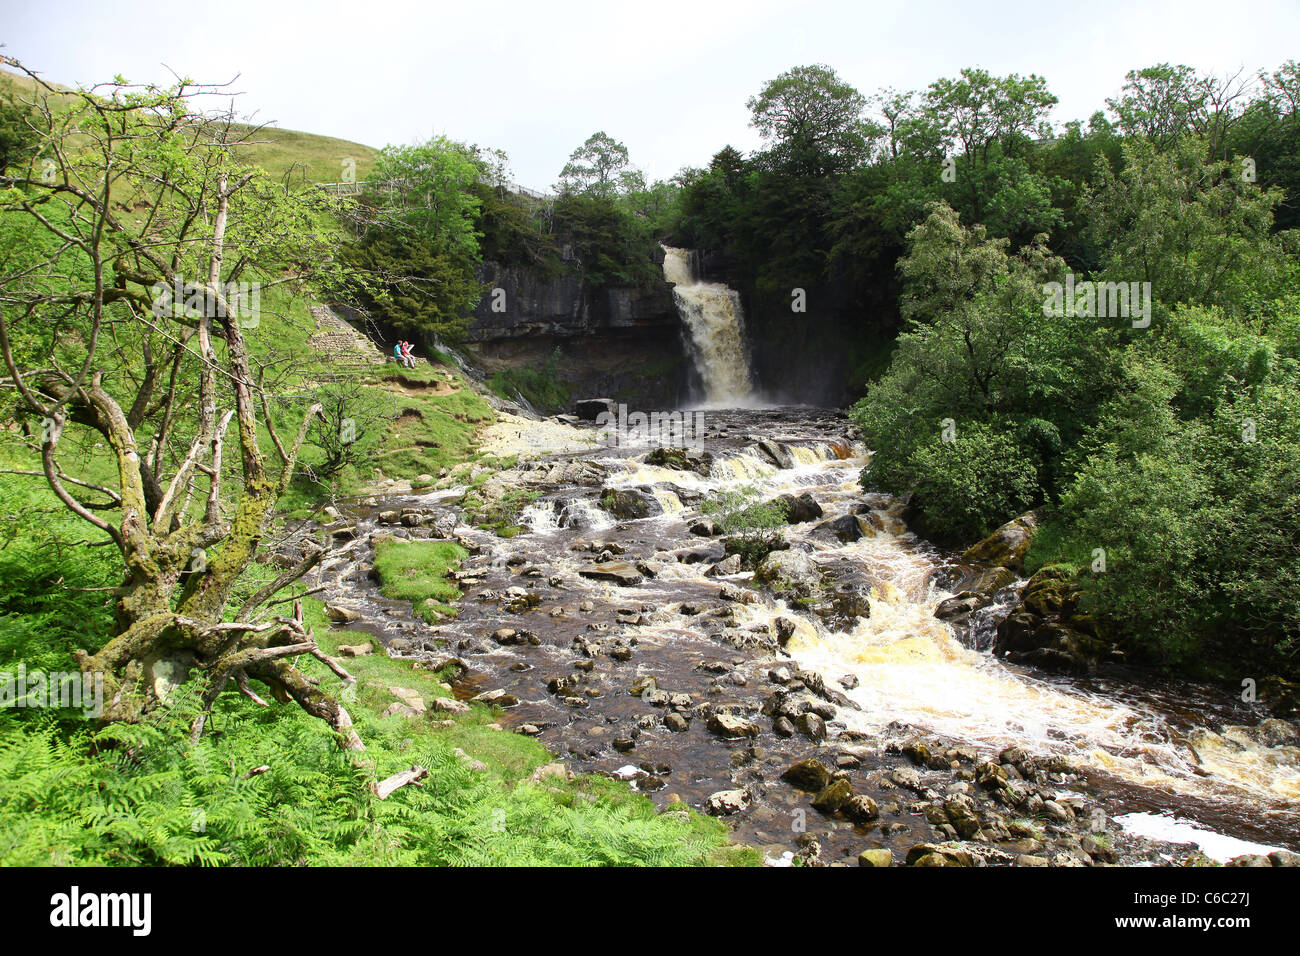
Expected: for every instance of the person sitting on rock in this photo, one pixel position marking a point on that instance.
(397, 352)
(407, 357)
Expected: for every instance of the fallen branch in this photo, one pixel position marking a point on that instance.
(386, 788)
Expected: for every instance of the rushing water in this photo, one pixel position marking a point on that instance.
(714, 324)
(916, 669)
(1149, 749)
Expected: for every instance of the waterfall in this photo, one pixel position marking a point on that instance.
(715, 331)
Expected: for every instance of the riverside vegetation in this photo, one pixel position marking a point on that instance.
(141, 544)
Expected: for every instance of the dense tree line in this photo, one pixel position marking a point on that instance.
(1148, 406)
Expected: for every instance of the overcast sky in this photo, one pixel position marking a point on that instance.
(669, 78)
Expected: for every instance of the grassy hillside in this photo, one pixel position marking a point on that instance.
(306, 157)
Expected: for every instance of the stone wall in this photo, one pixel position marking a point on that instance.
(619, 342)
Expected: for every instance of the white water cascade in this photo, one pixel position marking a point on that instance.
(715, 327)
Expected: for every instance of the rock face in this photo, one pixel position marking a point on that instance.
(614, 340)
(1007, 546)
(1048, 630)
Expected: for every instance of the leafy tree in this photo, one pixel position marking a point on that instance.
(412, 285)
(351, 423)
(1190, 485)
(609, 246)
(1164, 104)
(989, 118)
(965, 488)
(978, 351)
(19, 138)
(515, 230)
(598, 168)
(1264, 139)
(812, 121)
(432, 184)
(1192, 228)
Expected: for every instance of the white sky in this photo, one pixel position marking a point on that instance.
(669, 79)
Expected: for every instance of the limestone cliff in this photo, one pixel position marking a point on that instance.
(618, 342)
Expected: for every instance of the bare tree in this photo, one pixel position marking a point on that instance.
(139, 247)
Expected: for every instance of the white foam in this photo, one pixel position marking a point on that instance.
(1168, 829)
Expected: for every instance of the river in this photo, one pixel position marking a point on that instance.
(599, 604)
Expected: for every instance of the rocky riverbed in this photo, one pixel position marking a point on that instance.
(817, 702)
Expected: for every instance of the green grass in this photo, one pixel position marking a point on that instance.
(432, 431)
(416, 571)
(540, 386)
(307, 157)
(73, 794)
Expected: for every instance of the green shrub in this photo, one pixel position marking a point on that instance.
(750, 527)
(965, 488)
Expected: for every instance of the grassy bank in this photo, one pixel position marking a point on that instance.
(269, 785)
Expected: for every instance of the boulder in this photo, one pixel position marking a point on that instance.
(410, 697)
(860, 809)
(788, 571)
(938, 854)
(775, 452)
(450, 705)
(630, 503)
(399, 709)
(727, 566)
(811, 726)
(1007, 546)
(876, 858)
(961, 606)
(497, 698)
(681, 459)
(726, 802)
(623, 573)
(810, 775)
(849, 528)
(801, 509)
(724, 725)
(676, 722)
(842, 609)
(833, 796)
(341, 614)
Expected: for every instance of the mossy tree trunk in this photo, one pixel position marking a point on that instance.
(187, 526)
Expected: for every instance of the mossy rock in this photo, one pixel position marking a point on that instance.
(1007, 546)
(833, 797)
